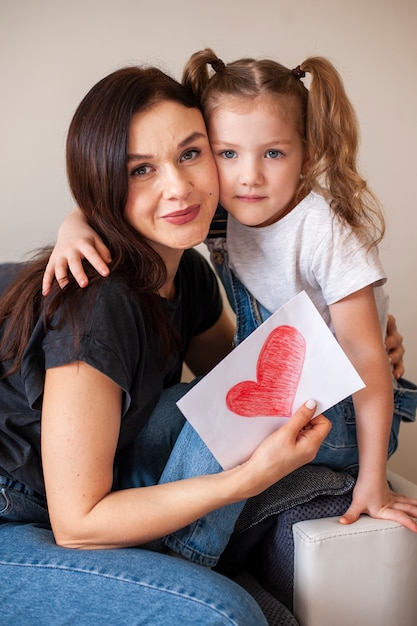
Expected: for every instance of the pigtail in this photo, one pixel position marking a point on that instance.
(196, 74)
(332, 142)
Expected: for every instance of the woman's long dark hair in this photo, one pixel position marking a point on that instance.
(96, 154)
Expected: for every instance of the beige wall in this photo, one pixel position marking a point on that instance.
(51, 53)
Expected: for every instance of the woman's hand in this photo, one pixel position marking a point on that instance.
(394, 347)
(293, 445)
(380, 502)
(76, 241)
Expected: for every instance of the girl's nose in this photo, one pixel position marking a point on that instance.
(251, 173)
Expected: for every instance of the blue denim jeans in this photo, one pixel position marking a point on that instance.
(339, 451)
(42, 583)
(173, 450)
(46, 585)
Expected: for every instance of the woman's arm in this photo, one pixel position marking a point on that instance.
(394, 347)
(80, 427)
(357, 329)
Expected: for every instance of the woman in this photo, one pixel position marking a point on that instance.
(92, 444)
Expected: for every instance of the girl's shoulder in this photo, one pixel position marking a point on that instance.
(315, 204)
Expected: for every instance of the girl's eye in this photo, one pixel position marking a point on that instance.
(273, 154)
(141, 170)
(228, 154)
(190, 155)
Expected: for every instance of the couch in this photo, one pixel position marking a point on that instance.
(359, 575)
(306, 569)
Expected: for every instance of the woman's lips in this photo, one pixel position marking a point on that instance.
(184, 215)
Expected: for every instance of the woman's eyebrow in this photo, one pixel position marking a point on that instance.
(185, 142)
(193, 137)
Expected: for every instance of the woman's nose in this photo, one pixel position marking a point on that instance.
(176, 183)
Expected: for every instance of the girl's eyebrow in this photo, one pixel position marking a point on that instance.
(271, 142)
(185, 142)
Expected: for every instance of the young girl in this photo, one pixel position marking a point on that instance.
(300, 217)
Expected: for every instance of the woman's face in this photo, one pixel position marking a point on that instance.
(173, 182)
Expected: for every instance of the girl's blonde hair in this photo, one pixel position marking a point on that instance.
(324, 118)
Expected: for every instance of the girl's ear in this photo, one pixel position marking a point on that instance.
(306, 164)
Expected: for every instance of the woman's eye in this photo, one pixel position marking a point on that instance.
(141, 170)
(190, 155)
(273, 154)
(228, 154)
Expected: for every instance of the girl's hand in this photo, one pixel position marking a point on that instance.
(381, 503)
(293, 445)
(76, 241)
(394, 347)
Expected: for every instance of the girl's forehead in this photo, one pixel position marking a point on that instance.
(277, 104)
(283, 106)
(260, 117)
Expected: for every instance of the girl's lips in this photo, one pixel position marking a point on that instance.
(183, 216)
(250, 199)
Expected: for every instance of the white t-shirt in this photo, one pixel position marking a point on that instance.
(308, 249)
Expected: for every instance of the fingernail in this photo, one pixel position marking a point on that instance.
(311, 404)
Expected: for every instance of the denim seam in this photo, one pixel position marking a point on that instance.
(126, 580)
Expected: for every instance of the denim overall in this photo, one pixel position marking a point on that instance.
(339, 450)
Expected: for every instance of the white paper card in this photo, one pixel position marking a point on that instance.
(291, 358)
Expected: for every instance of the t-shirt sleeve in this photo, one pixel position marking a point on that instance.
(107, 333)
(343, 264)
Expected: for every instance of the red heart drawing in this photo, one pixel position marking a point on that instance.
(278, 372)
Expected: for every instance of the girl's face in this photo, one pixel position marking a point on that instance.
(173, 182)
(260, 157)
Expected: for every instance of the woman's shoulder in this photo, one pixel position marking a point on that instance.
(195, 265)
(107, 303)
(105, 327)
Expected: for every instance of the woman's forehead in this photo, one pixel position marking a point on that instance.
(165, 121)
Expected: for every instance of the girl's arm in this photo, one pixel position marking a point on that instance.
(357, 329)
(76, 241)
(80, 428)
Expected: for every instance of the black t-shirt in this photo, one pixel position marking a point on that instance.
(115, 340)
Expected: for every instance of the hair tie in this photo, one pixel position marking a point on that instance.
(218, 65)
(298, 72)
